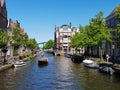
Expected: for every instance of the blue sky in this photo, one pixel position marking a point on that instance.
(38, 17)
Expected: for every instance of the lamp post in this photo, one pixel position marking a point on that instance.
(4, 50)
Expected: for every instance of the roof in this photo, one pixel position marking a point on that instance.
(65, 26)
(112, 14)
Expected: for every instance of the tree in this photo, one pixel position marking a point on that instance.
(17, 38)
(25, 39)
(79, 39)
(117, 13)
(3, 39)
(93, 34)
(49, 44)
(98, 31)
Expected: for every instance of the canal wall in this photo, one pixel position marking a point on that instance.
(4, 67)
(59, 53)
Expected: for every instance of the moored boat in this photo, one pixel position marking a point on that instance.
(77, 58)
(90, 64)
(19, 64)
(106, 67)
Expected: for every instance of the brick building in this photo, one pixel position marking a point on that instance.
(11, 26)
(3, 15)
(62, 37)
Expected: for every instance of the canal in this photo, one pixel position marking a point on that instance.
(60, 74)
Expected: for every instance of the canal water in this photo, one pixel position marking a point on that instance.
(60, 74)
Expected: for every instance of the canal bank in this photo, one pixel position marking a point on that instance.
(5, 67)
(8, 66)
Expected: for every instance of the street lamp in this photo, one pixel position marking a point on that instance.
(4, 50)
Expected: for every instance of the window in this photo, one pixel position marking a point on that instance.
(65, 36)
(65, 29)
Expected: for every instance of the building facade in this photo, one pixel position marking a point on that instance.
(62, 37)
(10, 29)
(3, 15)
(112, 47)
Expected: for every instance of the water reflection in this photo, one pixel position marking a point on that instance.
(59, 74)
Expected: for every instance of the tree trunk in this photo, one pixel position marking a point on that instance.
(101, 52)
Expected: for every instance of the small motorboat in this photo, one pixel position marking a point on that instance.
(19, 64)
(43, 61)
(90, 64)
(106, 69)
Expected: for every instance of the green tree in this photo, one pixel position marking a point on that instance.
(25, 39)
(3, 39)
(93, 34)
(17, 38)
(117, 13)
(32, 44)
(98, 31)
(49, 44)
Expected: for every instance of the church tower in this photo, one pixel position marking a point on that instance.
(3, 15)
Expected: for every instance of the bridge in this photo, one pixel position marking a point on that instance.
(43, 43)
(56, 53)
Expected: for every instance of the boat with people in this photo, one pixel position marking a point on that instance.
(43, 61)
(19, 64)
(90, 63)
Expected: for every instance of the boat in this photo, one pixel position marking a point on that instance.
(43, 61)
(19, 64)
(106, 69)
(90, 63)
(77, 58)
(68, 55)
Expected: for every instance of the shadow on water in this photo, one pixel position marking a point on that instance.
(42, 65)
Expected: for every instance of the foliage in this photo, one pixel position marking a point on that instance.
(17, 38)
(49, 44)
(98, 30)
(3, 39)
(32, 44)
(93, 34)
(25, 39)
(117, 12)
(118, 34)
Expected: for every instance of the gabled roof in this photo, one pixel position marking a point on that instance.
(112, 14)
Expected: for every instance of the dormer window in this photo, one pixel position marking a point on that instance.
(65, 29)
